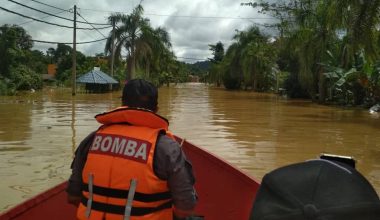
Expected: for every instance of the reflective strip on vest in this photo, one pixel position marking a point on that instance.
(90, 196)
(131, 194)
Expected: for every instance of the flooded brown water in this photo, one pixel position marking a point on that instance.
(255, 132)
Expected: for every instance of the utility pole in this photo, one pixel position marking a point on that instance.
(113, 49)
(113, 46)
(74, 75)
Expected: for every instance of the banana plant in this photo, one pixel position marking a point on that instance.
(353, 85)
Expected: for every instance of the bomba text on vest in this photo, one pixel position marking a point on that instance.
(121, 146)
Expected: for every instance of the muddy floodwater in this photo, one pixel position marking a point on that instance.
(255, 132)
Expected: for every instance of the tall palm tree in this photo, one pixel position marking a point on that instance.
(311, 35)
(129, 33)
(257, 57)
(147, 48)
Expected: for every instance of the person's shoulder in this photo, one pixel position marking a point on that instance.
(167, 144)
(166, 140)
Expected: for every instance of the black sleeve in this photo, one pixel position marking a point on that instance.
(170, 164)
(75, 180)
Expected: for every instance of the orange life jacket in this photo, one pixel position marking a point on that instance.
(121, 154)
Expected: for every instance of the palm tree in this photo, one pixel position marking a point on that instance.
(250, 58)
(157, 58)
(311, 36)
(129, 36)
(257, 57)
(147, 49)
(359, 19)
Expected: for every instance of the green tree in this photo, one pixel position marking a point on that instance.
(14, 41)
(37, 61)
(313, 29)
(257, 59)
(230, 67)
(129, 36)
(249, 60)
(20, 67)
(24, 78)
(157, 59)
(218, 53)
(149, 53)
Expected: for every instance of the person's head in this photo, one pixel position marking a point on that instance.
(316, 190)
(139, 93)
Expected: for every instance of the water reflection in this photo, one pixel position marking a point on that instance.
(73, 106)
(8, 120)
(260, 132)
(256, 132)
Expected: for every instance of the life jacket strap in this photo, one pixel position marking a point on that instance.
(116, 209)
(123, 194)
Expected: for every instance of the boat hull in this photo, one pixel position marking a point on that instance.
(50, 204)
(224, 192)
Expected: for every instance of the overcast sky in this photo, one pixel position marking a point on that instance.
(192, 25)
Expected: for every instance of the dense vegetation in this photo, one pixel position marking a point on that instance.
(21, 68)
(325, 50)
(19, 65)
(149, 56)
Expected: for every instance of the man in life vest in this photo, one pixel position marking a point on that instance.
(131, 167)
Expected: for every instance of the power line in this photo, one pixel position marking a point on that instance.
(188, 16)
(47, 5)
(26, 22)
(46, 22)
(179, 16)
(91, 25)
(52, 14)
(103, 11)
(53, 42)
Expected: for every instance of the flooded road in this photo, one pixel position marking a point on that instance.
(255, 132)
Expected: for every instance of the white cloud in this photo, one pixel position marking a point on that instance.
(192, 25)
